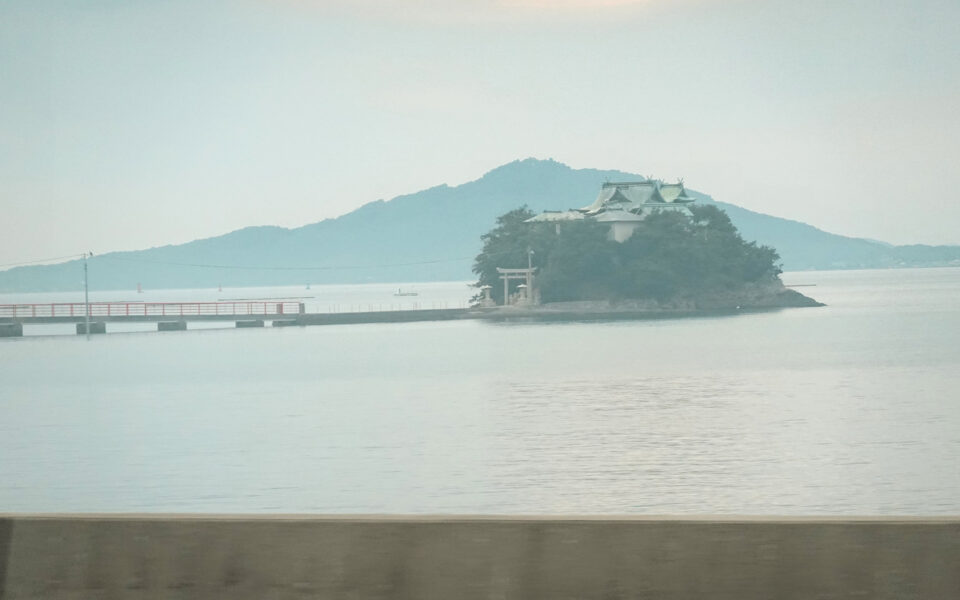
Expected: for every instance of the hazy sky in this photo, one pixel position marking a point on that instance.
(132, 123)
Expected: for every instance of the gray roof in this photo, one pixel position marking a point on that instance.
(556, 215)
(612, 216)
(635, 196)
(625, 201)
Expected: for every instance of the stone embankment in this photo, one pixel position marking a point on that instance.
(757, 296)
(61, 557)
(404, 316)
(751, 297)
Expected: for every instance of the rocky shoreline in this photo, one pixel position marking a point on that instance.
(750, 298)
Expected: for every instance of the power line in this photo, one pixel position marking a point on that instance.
(39, 260)
(284, 268)
(250, 267)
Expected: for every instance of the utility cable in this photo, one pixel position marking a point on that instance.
(40, 260)
(250, 267)
(282, 268)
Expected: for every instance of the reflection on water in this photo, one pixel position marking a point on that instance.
(847, 409)
(787, 445)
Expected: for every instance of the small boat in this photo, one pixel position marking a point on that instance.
(400, 292)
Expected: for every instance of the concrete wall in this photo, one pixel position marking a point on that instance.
(392, 316)
(180, 557)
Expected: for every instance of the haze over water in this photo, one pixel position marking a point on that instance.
(848, 409)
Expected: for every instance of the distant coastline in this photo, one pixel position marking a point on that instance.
(427, 236)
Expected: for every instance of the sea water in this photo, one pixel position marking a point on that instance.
(852, 408)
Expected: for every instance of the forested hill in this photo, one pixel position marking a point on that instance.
(431, 235)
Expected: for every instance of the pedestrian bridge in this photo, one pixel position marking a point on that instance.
(76, 312)
(173, 316)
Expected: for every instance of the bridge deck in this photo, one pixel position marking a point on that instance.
(132, 312)
(75, 312)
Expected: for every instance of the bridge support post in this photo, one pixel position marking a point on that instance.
(284, 322)
(11, 329)
(252, 323)
(171, 325)
(95, 327)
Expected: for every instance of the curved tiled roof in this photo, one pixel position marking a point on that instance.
(626, 201)
(634, 196)
(609, 216)
(556, 215)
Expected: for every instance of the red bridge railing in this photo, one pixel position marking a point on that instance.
(149, 309)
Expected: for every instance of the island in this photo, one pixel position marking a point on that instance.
(640, 247)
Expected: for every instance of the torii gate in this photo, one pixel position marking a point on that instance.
(508, 274)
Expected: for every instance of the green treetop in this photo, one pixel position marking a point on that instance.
(669, 256)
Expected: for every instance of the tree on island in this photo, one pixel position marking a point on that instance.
(669, 257)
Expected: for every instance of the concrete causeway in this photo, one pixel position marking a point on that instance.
(10, 328)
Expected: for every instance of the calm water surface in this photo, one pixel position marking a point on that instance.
(849, 409)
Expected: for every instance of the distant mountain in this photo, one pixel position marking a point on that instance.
(431, 235)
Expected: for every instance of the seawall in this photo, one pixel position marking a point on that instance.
(396, 316)
(274, 557)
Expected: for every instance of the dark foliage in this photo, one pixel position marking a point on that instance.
(669, 256)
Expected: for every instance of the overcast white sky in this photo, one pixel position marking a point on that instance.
(133, 123)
